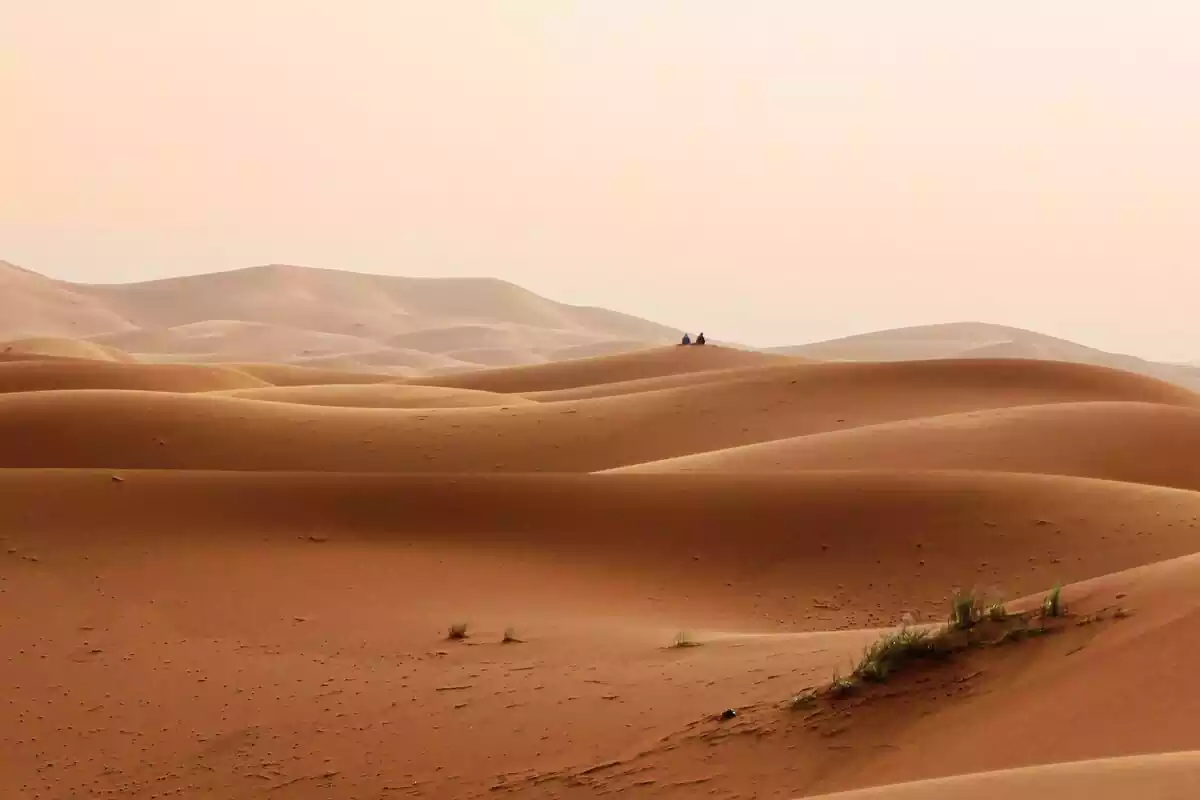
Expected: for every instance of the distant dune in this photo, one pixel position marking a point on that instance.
(58, 347)
(410, 327)
(19, 377)
(296, 533)
(982, 340)
(603, 370)
(284, 314)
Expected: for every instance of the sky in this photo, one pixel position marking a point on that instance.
(769, 171)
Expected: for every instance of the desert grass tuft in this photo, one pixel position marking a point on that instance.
(841, 686)
(685, 639)
(1053, 606)
(964, 611)
(457, 631)
(894, 651)
(996, 612)
(510, 636)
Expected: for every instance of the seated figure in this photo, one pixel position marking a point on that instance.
(700, 339)
(687, 339)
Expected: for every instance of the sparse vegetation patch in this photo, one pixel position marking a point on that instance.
(1052, 606)
(970, 624)
(684, 639)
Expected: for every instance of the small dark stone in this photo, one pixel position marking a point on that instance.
(728, 713)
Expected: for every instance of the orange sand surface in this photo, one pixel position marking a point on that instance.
(236, 579)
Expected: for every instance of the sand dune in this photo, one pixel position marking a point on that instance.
(32, 305)
(286, 313)
(18, 377)
(1137, 442)
(59, 347)
(234, 578)
(1079, 695)
(378, 395)
(872, 545)
(581, 372)
(1169, 776)
(303, 669)
(982, 340)
(651, 384)
(179, 431)
(298, 375)
(948, 340)
(393, 360)
(217, 339)
(609, 347)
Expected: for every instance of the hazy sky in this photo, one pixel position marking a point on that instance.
(772, 171)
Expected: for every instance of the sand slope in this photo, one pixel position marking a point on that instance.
(378, 395)
(575, 373)
(17, 377)
(1169, 776)
(32, 305)
(178, 431)
(312, 666)
(298, 375)
(1138, 442)
(920, 533)
(58, 347)
(289, 313)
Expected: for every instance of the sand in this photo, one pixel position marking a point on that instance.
(307, 316)
(235, 580)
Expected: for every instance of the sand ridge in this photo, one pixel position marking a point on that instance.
(195, 431)
(27, 376)
(1168, 776)
(594, 370)
(376, 395)
(1122, 441)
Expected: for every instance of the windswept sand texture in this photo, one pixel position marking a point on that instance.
(235, 579)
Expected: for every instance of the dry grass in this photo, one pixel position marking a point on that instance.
(685, 639)
(969, 625)
(1053, 606)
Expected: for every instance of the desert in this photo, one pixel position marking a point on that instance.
(642, 568)
(556, 400)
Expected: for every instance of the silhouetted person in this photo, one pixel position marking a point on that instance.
(687, 339)
(700, 339)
